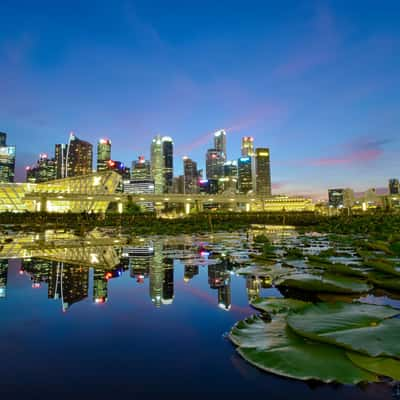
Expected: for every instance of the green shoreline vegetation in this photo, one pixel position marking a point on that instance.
(382, 226)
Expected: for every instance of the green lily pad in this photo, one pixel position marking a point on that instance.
(324, 283)
(378, 365)
(273, 347)
(383, 265)
(275, 305)
(384, 281)
(338, 268)
(364, 328)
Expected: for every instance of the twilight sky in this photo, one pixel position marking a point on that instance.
(316, 81)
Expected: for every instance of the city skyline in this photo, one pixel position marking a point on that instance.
(322, 96)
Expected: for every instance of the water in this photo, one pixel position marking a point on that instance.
(147, 326)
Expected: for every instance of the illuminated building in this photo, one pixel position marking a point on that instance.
(253, 287)
(190, 176)
(219, 278)
(168, 162)
(61, 160)
(3, 278)
(140, 186)
(220, 143)
(245, 180)
(139, 267)
(228, 183)
(209, 186)
(100, 286)
(140, 169)
(103, 154)
(157, 164)
(262, 172)
(178, 184)
(247, 146)
(168, 281)
(44, 170)
(190, 272)
(214, 164)
(79, 158)
(69, 283)
(7, 160)
(119, 168)
(336, 198)
(394, 186)
(156, 275)
(39, 270)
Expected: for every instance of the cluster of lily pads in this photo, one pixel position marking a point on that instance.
(347, 341)
(339, 342)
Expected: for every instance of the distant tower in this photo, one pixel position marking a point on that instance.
(45, 170)
(61, 160)
(79, 157)
(220, 142)
(394, 186)
(168, 162)
(7, 160)
(245, 181)
(190, 175)
(140, 169)
(263, 172)
(157, 164)
(247, 146)
(214, 164)
(103, 154)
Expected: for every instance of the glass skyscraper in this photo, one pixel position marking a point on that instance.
(7, 160)
(103, 154)
(245, 183)
(157, 164)
(168, 162)
(263, 172)
(79, 157)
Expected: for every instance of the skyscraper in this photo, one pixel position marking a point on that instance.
(228, 183)
(220, 142)
(44, 170)
(79, 157)
(103, 154)
(61, 160)
(140, 169)
(7, 160)
(263, 172)
(168, 162)
(245, 181)
(190, 174)
(157, 164)
(3, 278)
(247, 146)
(336, 198)
(214, 164)
(394, 186)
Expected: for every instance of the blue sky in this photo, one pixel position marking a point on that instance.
(316, 81)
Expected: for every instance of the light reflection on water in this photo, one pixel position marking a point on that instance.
(82, 315)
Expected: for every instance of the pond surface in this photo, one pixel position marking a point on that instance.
(88, 320)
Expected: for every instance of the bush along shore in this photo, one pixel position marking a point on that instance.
(380, 225)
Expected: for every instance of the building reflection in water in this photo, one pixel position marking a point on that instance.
(3, 278)
(100, 286)
(190, 272)
(219, 278)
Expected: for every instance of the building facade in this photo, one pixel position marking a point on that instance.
(7, 160)
(168, 162)
(220, 142)
(245, 175)
(394, 186)
(44, 170)
(79, 158)
(60, 156)
(140, 169)
(247, 146)
(103, 154)
(214, 164)
(190, 174)
(263, 172)
(157, 164)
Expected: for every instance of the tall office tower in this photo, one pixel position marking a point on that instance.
(168, 282)
(178, 184)
(3, 278)
(7, 160)
(263, 172)
(228, 183)
(190, 174)
(79, 157)
(45, 170)
(168, 162)
(247, 146)
(394, 186)
(214, 164)
(103, 154)
(220, 142)
(245, 180)
(157, 164)
(100, 286)
(60, 156)
(119, 167)
(140, 169)
(336, 198)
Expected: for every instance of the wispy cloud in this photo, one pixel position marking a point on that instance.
(361, 151)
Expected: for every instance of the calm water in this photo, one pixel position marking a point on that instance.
(151, 326)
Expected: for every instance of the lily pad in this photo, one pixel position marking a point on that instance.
(273, 347)
(378, 365)
(383, 265)
(338, 268)
(364, 328)
(324, 283)
(275, 305)
(384, 281)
